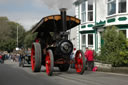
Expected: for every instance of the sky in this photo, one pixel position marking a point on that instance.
(29, 12)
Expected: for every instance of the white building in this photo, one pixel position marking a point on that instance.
(95, 16)
(73, 36)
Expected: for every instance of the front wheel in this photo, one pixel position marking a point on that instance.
(49, 62)
(80, 62)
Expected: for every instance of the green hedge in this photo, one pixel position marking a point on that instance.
(115, 47)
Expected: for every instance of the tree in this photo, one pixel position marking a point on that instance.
(29, 38)
(21, 32)
(8, 34)
(4, 28)
(114, 48)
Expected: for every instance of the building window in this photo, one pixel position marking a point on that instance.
(122, 6)
(83, 12)
(90, 10)
(83, 42)
(83, 39)
(111, 7)
(90, 39)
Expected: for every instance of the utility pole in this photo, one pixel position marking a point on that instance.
(17, 48)
(17, 36)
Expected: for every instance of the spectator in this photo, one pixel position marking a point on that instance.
(89, 54)
(74, 52)
(0, 58)
(86, 52)
(21, 57)
(3, 57)
(73, 57)
(14, 57)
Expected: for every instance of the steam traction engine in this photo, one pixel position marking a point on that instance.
(52, 47)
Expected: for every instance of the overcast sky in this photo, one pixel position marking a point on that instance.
(29, 12)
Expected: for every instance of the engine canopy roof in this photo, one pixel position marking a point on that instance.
(54, 23)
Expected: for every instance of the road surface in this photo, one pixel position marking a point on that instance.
(12, 74)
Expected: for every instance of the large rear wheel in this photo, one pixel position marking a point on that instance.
(80, 62)
(36, 57)
(49, 62)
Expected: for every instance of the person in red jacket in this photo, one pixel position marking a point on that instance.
(1, 61)
(86, 52)
(89, 54)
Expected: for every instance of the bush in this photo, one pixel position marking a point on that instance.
(114, 49)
